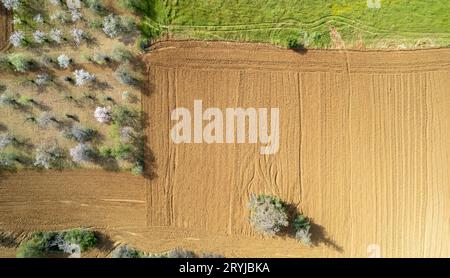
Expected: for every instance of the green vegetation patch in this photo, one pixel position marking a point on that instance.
(278, 22)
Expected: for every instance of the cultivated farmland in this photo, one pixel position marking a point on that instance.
(363, 148)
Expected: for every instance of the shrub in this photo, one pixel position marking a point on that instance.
(212, 256)
(36, 247)
(321, 40)
(25, 100)
(21, 62)
(126, 252)
(60, 16)
(83, 77)
(301, 226)
(96, 6)
(101, 59)
(180, 253)
(4, 63)
(123, 152)
(127, 134)
(292, 42)
(46, 119)
(84, 238)
(124, 76)
(49, 156)
(124, 116)
(267, 214)
(8, 98)
(121, 54)
(8, 161)
(41, 243)
(64, 61)
(83, 153)
(128, 24)
(80, 134)
(103, 114)
(138, 169)
(106, 152)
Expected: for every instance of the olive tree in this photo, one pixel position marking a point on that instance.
(49, 156)
(103, 115)
(268, 214)
(83, 153)
(83, 77)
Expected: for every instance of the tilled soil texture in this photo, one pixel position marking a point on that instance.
(6, 27)
(32, 201)
(364, 144)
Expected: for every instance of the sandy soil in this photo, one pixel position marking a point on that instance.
(5, 27)
(364, 143)
(364, 152)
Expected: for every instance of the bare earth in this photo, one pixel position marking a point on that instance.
(5, 27)
(365, 145)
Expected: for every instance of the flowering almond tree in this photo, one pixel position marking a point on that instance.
(83, 77)
(103, 115)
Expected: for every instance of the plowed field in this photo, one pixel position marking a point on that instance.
(364, 151)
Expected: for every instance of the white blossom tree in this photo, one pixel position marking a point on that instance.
(268, 214)
(38, 19)
(82, 153)
(45, 120)
(48, 156)
(56, 35)
(103, 114)
(39, 36)
(83, 77)
(5, 140)
(55, 2)
(17, 39)
(17, 20)
(11, 4)
(127, 134)
(64, 61)
(42, 79)
(78, 35)
(76, 15)
(111, 26)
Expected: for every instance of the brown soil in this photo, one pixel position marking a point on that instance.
(6, 27)
(365, 144)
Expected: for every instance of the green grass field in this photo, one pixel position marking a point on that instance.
(411, 23)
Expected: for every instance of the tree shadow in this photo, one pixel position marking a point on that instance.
(8, 241)
(3, 128)
(300, 50)
(104, 242)
(319, 234)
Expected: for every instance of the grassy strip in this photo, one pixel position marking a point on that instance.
(309, 21)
